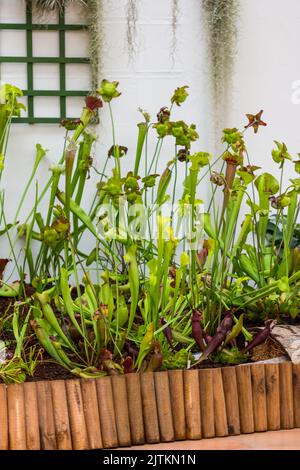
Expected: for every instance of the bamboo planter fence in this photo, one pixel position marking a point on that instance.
(149, 408)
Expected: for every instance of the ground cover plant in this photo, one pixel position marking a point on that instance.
(165, 283)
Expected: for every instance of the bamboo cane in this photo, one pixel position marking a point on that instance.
(3, 419)
(259, 397)
(121, 410)
(16, 417)
(61, 415)
(219, 404)
(107, 412)
(177, 403)
(273, 396)
(31, 416)
(149, 408)
(207, 402)
(164, 408)
(286, 395)
(91, 413)
(243, 376)
(192, 404)
(46, 416)
(135, 408)
(231, 400)
(76, 415)
(296, 394)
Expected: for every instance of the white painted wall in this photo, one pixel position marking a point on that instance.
(267, 66)
(148, 82)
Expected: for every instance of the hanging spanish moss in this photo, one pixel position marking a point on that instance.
(175, 15)
(132, 32)
(220, 21)
(49, 5)
(94, 15)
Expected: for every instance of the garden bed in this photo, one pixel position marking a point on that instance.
(133, 329)
(149, 408)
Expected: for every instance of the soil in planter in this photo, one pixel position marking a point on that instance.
(5, 305)
(50, 371)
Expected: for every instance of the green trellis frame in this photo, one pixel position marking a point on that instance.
(61, 27)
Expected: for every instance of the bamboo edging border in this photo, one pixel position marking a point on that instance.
(149, 408)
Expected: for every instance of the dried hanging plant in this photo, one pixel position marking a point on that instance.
(48, 5)
(94, 15)
(175, 14)
(220, 20)
(132, 19)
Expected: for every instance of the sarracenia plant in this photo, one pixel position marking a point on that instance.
(9, 107)
(153, 291)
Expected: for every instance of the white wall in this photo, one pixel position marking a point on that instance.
(267, 68)
(148, 82)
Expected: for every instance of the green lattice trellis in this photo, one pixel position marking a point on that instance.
(61, 27)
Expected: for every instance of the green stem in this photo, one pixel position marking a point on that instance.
(116, 153)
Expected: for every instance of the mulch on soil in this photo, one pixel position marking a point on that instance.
(47, 370)
(270, 349)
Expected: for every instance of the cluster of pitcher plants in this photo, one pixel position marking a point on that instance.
(121, 284)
